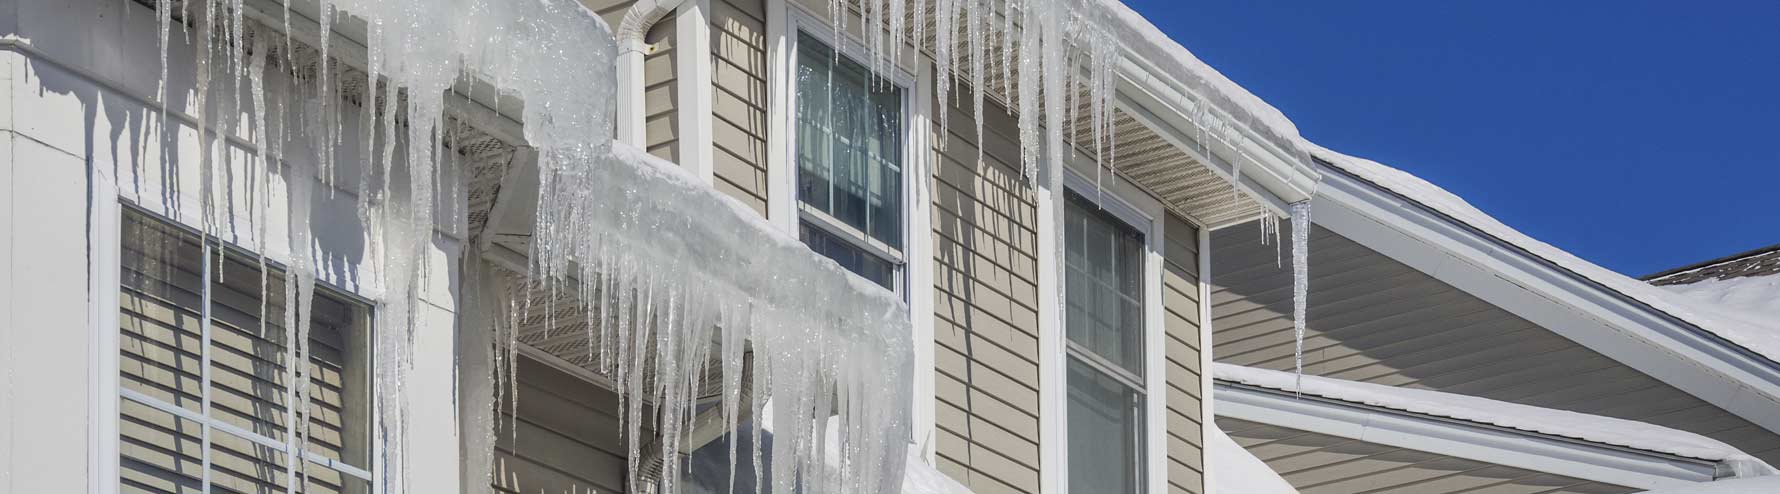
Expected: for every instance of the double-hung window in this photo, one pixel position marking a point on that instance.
(204, 378)
(1104, 321)
(849, 148)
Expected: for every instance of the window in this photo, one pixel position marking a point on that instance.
(849, 163)
(1104, 269)
(203, 375)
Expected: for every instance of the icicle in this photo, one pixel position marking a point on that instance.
(1007, 52)
(945, 26)
(1300, 286)
(976, 24)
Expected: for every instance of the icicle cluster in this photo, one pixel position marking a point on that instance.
(1087, 56)
(723, 279)
(1300, 284)
(675, 286)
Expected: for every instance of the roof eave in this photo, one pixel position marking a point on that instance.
(1462, 439)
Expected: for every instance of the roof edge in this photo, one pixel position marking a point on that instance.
(1606, 463)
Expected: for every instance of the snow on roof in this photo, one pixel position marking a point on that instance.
(1236, 471)
(1178, 63)
(1758, 334)
(1591, 428)
(1757, 485)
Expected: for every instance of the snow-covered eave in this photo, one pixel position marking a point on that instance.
(1273, 176)
(1547, 453)
(1659, 344)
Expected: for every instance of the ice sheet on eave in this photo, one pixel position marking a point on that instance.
(1236, 471)
(1573, 425)
(1758, 334)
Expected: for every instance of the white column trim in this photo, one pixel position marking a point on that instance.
(1053, 447)
(104, 271)
(1207, 418)
(918, 240)
(781, 197)
(692, 52)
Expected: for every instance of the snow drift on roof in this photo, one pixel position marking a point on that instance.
(1235, 471)
(1760, 335)
(1592, 428)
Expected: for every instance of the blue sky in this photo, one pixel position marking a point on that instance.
(1640, 135)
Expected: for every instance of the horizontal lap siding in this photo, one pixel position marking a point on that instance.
(1180, 320)
(738, 100)
(1376, 320)
(985, 303)
(569, 436)
(160, 355)
(1322, 464)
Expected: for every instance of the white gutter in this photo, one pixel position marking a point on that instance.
(1271, 175)
(631, 50)
(1479, 442)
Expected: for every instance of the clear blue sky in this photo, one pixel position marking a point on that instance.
(1640, 135)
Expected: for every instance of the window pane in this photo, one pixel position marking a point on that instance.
(1103, 284)
(161, 303)
(848, 256)
(849, 142)
(1105, 433)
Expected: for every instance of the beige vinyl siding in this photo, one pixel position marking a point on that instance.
(1322, 464)
(985, 310)
(1180, 317)
(1373, 319)
(569, 437)
(738, 100)
(160, 345)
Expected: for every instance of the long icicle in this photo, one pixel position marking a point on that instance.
(1300, 287)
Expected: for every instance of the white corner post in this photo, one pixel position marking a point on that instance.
(692, 52)
(920, 260)
(1206, 418)
(781, 207)
(1052, 393)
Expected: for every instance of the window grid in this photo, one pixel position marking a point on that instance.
(848, 149)
(1104, 350)
(147, 258)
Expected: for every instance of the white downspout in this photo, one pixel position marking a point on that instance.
(631, 50)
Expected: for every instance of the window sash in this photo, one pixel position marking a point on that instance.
(849, 137)
(1103, 285)
(158, 273)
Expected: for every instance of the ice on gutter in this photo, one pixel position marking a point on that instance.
(1233, 470)
(1758, 334)
(1560, 423)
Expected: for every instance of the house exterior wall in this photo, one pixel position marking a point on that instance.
(985, 294)
(569, 435)
(1374, 319)
(1322, 464)
(738, 100)
(1180, 305)
(80, 126)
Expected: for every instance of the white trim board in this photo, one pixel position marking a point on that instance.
(1459, 439)
(1555, 299)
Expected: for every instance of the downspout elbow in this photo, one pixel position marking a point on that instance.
(631, 49)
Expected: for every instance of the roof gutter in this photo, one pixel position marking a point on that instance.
(1462, 439)
(631, 50)
(1272, 176)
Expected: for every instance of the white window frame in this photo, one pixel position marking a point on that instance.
(785, 19)
(1145, 214)
(804, 22)
(112, 220)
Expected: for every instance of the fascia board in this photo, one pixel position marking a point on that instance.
(1477, 442)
